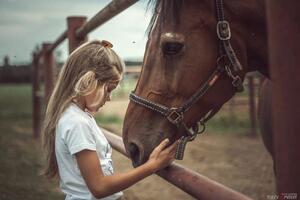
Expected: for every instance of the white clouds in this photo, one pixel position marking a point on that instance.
(23, 24)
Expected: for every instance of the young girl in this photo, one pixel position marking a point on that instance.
(77, 151)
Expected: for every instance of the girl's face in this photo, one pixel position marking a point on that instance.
(97, 99)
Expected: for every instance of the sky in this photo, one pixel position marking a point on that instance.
(24, 24)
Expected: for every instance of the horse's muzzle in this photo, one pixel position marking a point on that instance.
(136, 154)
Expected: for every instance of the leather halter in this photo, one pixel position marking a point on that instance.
(176, 115)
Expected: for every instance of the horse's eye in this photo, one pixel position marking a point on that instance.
(172, 48)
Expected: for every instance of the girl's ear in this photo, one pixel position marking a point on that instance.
(86, 84)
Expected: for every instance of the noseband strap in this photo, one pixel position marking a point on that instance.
(175, 115)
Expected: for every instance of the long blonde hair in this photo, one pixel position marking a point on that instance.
(90, 64)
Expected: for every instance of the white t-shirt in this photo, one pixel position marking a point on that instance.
(77, 130)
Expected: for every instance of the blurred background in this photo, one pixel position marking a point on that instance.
(230, 151)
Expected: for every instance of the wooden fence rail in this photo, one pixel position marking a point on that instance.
(111, 10)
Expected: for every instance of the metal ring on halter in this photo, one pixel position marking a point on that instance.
(195, 130)
(191, 138)
(200, 124)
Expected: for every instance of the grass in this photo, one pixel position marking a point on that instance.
(110, 119)
(21, 157)
(224, 123)
(15, 101)
(111, 122)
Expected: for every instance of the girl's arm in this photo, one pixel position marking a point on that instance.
(101, 186)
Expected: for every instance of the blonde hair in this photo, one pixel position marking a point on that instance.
(91, 64)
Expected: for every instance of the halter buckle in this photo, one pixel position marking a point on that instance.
(174, 116)
(223, 30)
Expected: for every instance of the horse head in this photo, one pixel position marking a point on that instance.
(186, 76)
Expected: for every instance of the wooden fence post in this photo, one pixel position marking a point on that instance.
(50, 70)
(252, 107)
(284, 52)
(36, 99)
(74, 23)
(231, 105)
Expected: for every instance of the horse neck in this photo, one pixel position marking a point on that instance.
(249, 20)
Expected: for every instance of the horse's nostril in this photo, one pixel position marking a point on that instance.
(134, 154)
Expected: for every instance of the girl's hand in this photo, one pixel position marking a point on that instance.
(161, 156)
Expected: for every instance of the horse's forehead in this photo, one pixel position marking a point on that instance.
(196, 13)
(193, 17)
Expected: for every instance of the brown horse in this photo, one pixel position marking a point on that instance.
(183, 57)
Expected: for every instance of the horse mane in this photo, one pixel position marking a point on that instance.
(166, 10)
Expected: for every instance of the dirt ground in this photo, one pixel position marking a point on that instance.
(235, 160)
